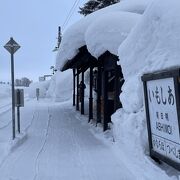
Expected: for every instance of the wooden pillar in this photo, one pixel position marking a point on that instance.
(118, 85)
(105, 103)
(74, 87)
(77, 91)
(82, 95)
(99, 85)
(116, 89)
(91, 95)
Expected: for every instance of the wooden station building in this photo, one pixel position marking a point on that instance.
(105, 81)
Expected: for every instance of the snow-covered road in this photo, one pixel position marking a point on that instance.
(60, 147)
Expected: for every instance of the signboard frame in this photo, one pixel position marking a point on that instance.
(12, 46)
(170, 73)
(37, 93)
(19, 97)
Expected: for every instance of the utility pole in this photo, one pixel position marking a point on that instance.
(59, 38)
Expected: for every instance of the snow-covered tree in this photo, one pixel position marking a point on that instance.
(23, 82)
(94, 5)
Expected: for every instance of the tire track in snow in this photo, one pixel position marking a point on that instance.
(5, 126)
(26, 148)
(70, 134)
(5, 105)
(18, 156)
(43, 145)
(10, 122)
(81, 160)
(22, 150)
(5, 109)
(84, 159)
(80, 156)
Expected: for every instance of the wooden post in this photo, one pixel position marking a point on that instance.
(77, 91)
(99, 95)
(18, 119)
(91, 95)
(73, 87)
(82, 95)
(116, 89)
(105, 103)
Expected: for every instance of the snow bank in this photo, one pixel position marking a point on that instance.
(74, 37)
(109, 31)
(151, 46)
(51, 89)
(61, 86)
(43, 87)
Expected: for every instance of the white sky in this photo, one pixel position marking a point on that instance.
(34, 25)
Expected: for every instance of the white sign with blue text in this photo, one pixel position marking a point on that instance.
(164, 118)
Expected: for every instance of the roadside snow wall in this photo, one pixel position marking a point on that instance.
(151, 46)
(43, 87)
(60, 88)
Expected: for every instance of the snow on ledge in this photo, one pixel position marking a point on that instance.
(74, 37)
(152, 45)
(109, 31)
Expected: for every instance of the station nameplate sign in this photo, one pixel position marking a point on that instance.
(162, 103)
(164, 118)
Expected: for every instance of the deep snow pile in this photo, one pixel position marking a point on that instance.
(109, 31)
(74, 37)
(152, 45)
(42, 86)
(60, 87)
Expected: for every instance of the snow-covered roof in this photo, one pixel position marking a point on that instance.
(151, 46)
(74, 37)
(155, 40)
(109, 31)
(134, 6)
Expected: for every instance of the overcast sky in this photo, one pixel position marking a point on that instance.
(34, 25)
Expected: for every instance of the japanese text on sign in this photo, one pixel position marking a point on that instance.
(163, 118)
